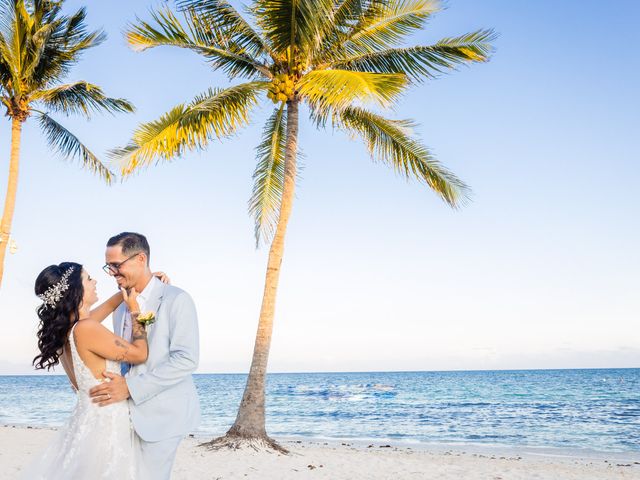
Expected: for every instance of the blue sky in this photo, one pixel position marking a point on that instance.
(539, 271)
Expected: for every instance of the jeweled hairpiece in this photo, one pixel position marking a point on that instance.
(53, 294)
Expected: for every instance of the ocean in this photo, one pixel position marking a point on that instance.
(596, 409)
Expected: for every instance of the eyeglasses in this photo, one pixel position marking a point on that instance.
(114, 268)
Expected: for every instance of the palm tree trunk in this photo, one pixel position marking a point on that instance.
(249, 426)
(12, 188)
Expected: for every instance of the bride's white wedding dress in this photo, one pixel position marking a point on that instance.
(96, 442)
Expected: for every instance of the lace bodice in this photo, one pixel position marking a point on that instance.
(96, 443)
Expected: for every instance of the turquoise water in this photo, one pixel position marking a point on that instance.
(576, 409)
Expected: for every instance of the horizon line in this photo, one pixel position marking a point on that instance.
(362, 371)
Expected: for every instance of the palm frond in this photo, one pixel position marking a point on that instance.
(390, 141)
(368, 26)
(268, 177)
(217, 113)
(69, 146)
(75, 35)
(12, 21)
(388, 22)
(476, 46)
(39, 45)
(338, 88)
(347, 14)
(424, 61)
(376, 25)
(293, 24)
(63, 40)
(8, 73)
(225, 18)
(80, 97)
(197, 35)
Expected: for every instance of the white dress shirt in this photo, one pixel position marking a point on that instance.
(127, 331)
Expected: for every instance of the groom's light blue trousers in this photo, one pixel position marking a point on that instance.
(155, 459)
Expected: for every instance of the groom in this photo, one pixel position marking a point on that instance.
(162, 396)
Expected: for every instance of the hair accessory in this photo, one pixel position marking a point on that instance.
(53, 294)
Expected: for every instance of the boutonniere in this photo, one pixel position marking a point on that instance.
(146, 318)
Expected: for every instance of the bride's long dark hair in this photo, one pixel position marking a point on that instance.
(57, 320)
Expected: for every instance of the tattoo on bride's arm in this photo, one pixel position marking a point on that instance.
(122, 356)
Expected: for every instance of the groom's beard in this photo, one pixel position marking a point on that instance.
(122, 282)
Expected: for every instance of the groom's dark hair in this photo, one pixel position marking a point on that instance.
(131, 243)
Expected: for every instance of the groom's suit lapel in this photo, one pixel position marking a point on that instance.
(153, 305)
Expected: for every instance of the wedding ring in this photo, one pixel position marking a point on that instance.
(108, 396)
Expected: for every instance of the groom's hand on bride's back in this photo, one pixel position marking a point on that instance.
(114, 389)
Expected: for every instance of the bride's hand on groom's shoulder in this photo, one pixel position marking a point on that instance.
(163, 277)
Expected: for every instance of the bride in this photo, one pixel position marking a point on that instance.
(96, 442)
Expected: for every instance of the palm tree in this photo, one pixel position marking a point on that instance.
(38, 46)
(341, 59)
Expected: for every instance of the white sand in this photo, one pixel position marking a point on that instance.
(344, 460)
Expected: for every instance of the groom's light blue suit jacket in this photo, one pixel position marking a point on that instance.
(164, 402)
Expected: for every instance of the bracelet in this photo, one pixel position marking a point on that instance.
(134, 313)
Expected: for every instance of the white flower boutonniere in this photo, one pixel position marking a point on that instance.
(146, 318)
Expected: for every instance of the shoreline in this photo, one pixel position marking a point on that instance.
(367, 443)
(356, 459)
(372, 442)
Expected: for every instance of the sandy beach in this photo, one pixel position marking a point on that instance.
(347, 460)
